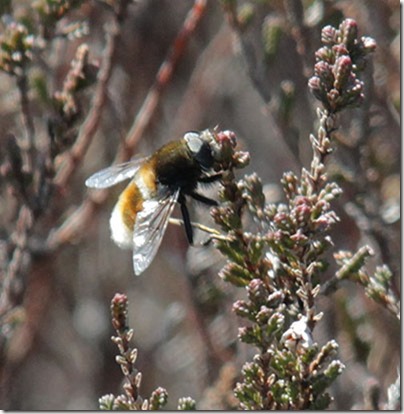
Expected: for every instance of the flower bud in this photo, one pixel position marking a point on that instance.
(342, 70)
(349, 32)
(257, 291)
(328, 35)
(369, 44)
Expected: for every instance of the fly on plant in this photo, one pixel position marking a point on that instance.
(140, 217)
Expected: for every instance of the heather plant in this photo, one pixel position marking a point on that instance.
(280, 259)
(28, 157)
(276, 253)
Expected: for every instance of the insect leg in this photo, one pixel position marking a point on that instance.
(185, 216)
(203, 199)
(210, 178)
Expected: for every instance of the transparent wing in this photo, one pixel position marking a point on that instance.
(150, 226)
(114, 174)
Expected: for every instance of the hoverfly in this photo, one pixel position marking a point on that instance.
(140, 217)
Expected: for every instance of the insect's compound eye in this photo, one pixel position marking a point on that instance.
(194, 141)
(200, 149)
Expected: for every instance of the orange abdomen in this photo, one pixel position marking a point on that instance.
(130, 203)
(142, 187)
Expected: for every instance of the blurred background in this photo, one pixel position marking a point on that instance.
(250, 77)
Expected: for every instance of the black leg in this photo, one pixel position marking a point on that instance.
(185, 216)
(210, 178)
(203, 199)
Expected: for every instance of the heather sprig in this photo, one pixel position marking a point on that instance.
(339, 62)
(131, 399)
(377, 285)
(16, 47)
(21, 39)
(276, 251)
(336, 85)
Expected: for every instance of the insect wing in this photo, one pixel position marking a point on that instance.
(150, 226)
(114, 174)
